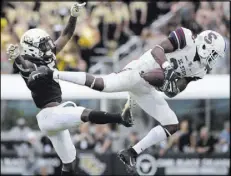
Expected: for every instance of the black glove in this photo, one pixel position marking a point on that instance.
(169, 74)
(172, 89)
(41, 73)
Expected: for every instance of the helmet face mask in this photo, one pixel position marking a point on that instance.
(46, 44)
(210, 48)
(212, 59)
(208, 55)
(37, 44)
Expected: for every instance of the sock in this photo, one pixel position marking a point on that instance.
(69, 168)
(66, 173)
(74, 77)
(157, 134)
(100, 117)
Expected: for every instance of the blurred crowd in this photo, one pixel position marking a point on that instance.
(101, 139)
(104, 26)
(202, 141)
(23, 141)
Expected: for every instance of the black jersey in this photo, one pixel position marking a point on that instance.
(45, 91)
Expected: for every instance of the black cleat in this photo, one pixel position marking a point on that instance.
(127, 118)
(128, 157)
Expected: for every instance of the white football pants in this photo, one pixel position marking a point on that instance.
(146, 96)
(55, 122)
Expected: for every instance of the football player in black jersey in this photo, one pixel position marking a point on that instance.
(36, 50)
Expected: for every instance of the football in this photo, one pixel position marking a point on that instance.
(155, 77)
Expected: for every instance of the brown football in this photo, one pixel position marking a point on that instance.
(155, 77)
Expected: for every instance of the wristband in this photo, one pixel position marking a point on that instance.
(165, 65)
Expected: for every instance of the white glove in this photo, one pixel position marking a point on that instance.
(12, 51)
(75, 9)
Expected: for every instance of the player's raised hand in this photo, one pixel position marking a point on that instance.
(76, 8)
(12, 51)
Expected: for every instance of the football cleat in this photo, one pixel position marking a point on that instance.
(127, 118)
(128, 157)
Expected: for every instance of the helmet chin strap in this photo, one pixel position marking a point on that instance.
(48, 57)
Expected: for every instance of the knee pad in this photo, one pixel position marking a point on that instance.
(170, 129)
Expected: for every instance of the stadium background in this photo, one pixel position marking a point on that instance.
(109, 35)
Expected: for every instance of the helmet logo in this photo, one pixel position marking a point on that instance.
(28, 39)
(209, 39)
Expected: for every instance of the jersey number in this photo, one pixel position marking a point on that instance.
(208, 39)
(174, 63)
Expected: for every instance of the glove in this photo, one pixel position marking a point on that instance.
(169, 75)
(12, 51)
(40, 73)
(172, 89)
(75, 9)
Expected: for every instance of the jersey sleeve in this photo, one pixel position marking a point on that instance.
(19, 69)
(24, 72)
(180, 38)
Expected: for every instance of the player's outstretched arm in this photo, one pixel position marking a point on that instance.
(107, 83)
(68, 31)
(114, 82)
(80, 78)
